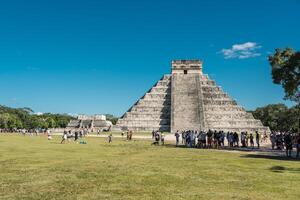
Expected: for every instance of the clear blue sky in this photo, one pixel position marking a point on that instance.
(101, 56)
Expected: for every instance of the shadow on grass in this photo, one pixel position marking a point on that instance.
(281, 169)
(272, 157)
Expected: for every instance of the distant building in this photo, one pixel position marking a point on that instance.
(91, 122)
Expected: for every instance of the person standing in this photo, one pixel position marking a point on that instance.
(110, 138)
(257, 138)
(209, 138)
(76, 136)
(49, 134)
(162, 138)
(298, 145)
(153, 134)
(288, 144)
(251, 140)
(273, 139)
(177, 137)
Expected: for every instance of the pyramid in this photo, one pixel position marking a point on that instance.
(187, 99)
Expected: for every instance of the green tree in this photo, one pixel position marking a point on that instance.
(286, 72)
(278, 117)
(111, 118)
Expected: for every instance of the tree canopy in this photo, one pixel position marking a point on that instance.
(12, 118)
(279, 117)
(286, 72)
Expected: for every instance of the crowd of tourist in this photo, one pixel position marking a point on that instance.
(285, 140)
(217, 139)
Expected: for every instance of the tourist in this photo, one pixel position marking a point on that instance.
(288, 144)
(192, 139)
(215, 139)
(162, 138)
(236, 139)
(298, 145)
(49, 136)
(76, 136)
(257, 137)
(243, 139)
(188, 139)
(183, 137)
(176, 136)
(64, 137)
(110, 138)
(156, 138)
(203, 139)
(227, 137)
(251, 140)
(272, 139)
(209, 138)
(247, 139)
(130, 135)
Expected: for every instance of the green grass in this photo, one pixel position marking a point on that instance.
(35, 168)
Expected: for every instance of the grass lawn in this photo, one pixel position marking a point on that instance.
(35, 168)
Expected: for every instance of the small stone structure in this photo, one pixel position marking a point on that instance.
(187, 99)
(95, 122)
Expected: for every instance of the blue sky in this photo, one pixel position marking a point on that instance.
(101, 56)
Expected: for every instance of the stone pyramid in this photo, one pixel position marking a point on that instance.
(188, 100)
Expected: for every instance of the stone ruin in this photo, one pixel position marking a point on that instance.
(95, 122)
(187, 99)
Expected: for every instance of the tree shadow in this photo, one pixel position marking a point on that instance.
(272, 157)
(281, 169)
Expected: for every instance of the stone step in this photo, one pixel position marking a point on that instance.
(228, 116)
(219, 102)
(208, 96)
(155, 96)
(146, 116)
(210, 108)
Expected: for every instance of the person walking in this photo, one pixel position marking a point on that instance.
(177, 137)
(64, 137)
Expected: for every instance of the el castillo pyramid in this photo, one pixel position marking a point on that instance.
(187, 99)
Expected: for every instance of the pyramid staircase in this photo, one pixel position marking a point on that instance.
(188, 101)
(152, 111)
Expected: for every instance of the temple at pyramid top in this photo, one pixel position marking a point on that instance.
(186, 66)
(187, 99)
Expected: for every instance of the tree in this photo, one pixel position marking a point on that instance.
(286, 72)
(278, 117)
(111, 118)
